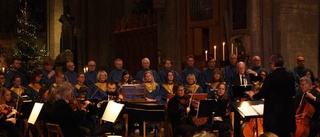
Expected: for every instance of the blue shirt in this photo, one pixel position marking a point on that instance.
(163, 75)
(116, 75)
(45, 79)
(228, 73)
(9, 77)
(91, 79)
(206, 77)
(140, 75)
(187, 71)
(71, 77)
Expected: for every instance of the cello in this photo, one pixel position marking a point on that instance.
(304, 113)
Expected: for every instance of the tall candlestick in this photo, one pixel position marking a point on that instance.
(215, 52)
(223, 57)
(231, 48)
(206, 53)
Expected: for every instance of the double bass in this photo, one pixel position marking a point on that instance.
(304, 113)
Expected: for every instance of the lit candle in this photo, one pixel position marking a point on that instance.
(84, 70)
(237, 51)
(215, 52)
(231, 48)
(223, 57)
(206, 53)
(3, 69)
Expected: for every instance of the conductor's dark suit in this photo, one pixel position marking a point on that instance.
(279, 112)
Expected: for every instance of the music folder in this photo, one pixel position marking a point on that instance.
(240, 91)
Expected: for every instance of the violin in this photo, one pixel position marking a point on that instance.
(185, 99)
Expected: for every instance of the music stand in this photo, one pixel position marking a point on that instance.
(240, 91)
(205, 108)
(26, 108)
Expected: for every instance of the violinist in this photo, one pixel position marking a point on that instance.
(64, 114)
(222, 122)
(8, 122)
(179, 110)
(312, 97)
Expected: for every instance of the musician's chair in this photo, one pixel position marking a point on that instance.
(54, 130)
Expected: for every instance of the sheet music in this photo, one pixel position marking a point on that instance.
(35, 113)
(248, 111)
(112, 111)
(258, 108)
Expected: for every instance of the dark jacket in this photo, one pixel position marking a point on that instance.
(279, 112)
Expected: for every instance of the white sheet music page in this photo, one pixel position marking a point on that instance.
(258, 108)
(248, 111)
(35, 113)
(112, 111)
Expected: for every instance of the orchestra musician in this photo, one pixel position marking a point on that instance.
(312, 97)
(222, 123)
(66, 112)
(178, 110)
(8, 121)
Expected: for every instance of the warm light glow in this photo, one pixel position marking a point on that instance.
(206, 53)
(215, 52)
(223, 53)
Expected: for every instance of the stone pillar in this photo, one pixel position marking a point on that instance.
(54, 11)
(255, 28)
(169, 30)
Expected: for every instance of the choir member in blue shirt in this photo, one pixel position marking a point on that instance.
(48, 74)
(146, 65)
(230, 70)
(91, 75)
(70, 74)
(115, 75)
(100, 87)
(167, 68)
(153, 88)
(206, 75)
(189, 70)
(167, 87)
(16, 64)
(192, 86)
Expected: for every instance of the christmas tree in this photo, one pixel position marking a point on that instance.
(27, 50)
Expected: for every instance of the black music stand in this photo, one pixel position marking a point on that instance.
(206, 107)
(26, 108)
(240, 91)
